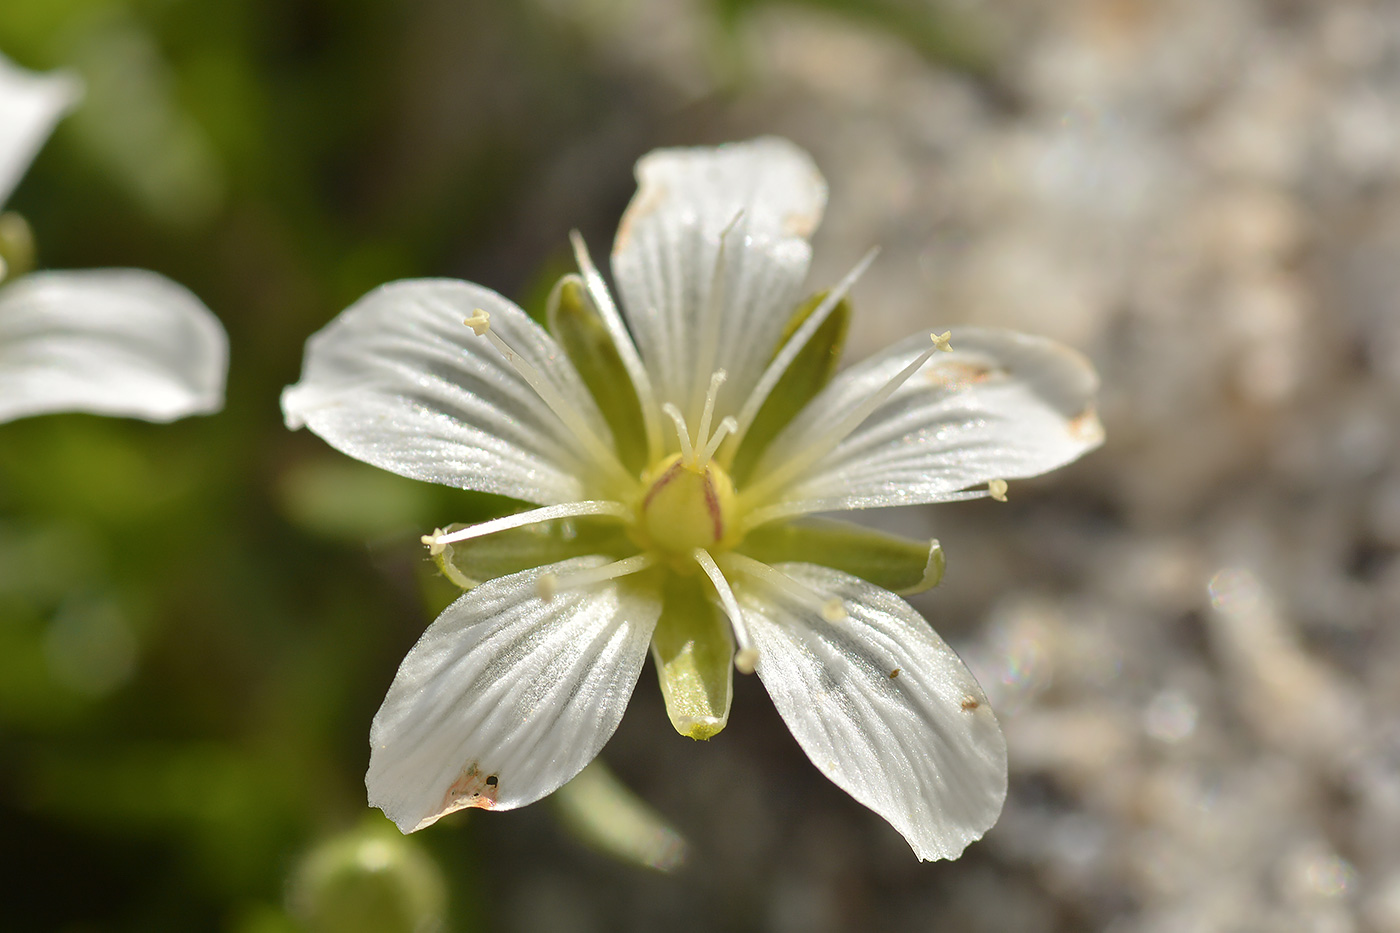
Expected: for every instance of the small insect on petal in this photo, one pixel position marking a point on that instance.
(471, 789)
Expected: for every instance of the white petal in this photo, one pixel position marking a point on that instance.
(882, 706)
(666, 250)
(505, 685)
(108, 341)
(399, 381)
(1002, 405)
(30, 104)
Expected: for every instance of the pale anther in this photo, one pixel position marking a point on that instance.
(941, 341)
(833, 610)
(746, 660)
(434, 542)
(479, 322)
(996, 488)
(547, 585)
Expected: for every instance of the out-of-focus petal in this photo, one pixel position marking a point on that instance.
(399, 381)
(1001, 405)
(881, 705)
(30, 105)
(508, 695)
(111, 342)
(768, 195)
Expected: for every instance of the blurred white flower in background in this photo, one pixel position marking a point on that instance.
(108, 341)
(676, 450)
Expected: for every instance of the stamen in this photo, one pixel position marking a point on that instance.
(831, 609)
(622, 340)
(764, 387)
(834, 435)
(551, 584)
(762, 515)
(439, 539)
(726, 427)
(682, 432)
(716, 380)
(480, 323)
(747, 656)
(996, 488)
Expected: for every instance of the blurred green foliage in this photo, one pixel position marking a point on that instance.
(197, 621)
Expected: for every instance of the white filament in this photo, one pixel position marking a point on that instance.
(550, 584)
(832, 610)
(827, 441)
(480, 323)
(747, 655)
(547, 513)
(785, 356)
(622, 340)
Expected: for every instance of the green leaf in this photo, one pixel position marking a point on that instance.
(812, 369)
(693, 650)
(902, 565)
(476, 560)
(578, 327)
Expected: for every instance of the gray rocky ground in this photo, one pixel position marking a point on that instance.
(1190, 637)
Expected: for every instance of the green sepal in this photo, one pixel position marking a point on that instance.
(16, 246)
(693, 650)
(810, 371)
(903, 565)
(476, 560)
(579, 328)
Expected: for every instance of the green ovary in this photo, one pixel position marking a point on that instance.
(687, 506)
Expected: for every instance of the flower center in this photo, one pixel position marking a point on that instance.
(688, 505)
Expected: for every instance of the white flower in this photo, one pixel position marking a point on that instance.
(108, 341)
(674, 450)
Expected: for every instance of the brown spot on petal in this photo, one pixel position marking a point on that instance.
(803, 223)
(650, 196)
(957, 375)
(471, 789)
(1086, 427)
(894, 673)
(970, 703)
